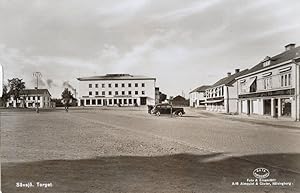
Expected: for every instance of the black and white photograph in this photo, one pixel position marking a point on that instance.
(149, 96)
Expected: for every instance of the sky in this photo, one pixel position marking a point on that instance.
(182, 43)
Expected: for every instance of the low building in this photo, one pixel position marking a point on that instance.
(271, 88)
(197, 96)
(179, 101)
(222, 96)
(116, 90)
(31, 98)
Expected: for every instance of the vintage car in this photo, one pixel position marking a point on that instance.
(166, 109)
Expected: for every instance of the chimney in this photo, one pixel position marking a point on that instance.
(289, 47)
(237, 70)
(228, 74)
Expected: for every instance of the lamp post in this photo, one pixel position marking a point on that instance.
(37, 75)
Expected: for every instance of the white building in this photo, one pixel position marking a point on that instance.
(116, 90)
(271, 88)
(31, 98)
(197, 97)
(222, 96)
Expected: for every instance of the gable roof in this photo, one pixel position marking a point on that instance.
(277, 59)
(229, 80)
(34, 91)
(200, 89)
(116, 77)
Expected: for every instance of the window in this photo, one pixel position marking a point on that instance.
(96, 85)
(129, 92)
(116, 85)
(123, 92)
(90, 93)
(116, 93)
(125, 101)
(93, 101)
(130, 101)
(143, 84)
(135, 101)
(87, 102)
(136, 84)
(123, 85)
(136, 92)
(285, 80)
(90, 86)
(120, 101)
(143, 92)
(33, 98)
(115, 101)
(99, 101)
(103, 93)
(103, 85)
(268, 83)
(97, 93)
(129, 84)
(109, 93)
(110, 101)
(109, 85)
(38, 98)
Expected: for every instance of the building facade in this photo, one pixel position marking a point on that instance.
(197, 97)
(271, 88)
(116, 90)
(222, 96)
(31, 98)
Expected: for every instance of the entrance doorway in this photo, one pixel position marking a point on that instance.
(275, 107)
(143, 100)
(267, 107)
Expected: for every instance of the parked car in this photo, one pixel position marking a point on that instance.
(167, 109)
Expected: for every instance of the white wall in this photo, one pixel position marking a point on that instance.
(149, 89)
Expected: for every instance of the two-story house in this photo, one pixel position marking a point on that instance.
(197, 96)
(31, 98)
(222, 96)
(271, 88)
(116, 90)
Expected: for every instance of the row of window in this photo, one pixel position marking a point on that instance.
(116, 85)
(110, 101)
(216, 92)
(31, 98)
(116, 93)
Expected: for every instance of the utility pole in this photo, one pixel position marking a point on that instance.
(37, 75)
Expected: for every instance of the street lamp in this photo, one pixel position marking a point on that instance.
(37, 75)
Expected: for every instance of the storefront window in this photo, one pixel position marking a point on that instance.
(286, 107)
(267, 107)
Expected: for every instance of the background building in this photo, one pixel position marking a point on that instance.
(222, 96)
(179, 101)
(271, 88)
(30, 98)
(116, 90)
(197, 96)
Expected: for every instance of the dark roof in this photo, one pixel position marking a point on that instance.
(200, 88)
(178, 97)
(116, 77)
(34, 91)
(229, 80)
(282, 57)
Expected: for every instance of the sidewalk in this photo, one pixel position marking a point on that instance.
(268, 121)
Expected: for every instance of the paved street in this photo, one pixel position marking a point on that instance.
(128, 150)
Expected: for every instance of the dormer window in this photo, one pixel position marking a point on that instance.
(266, 61)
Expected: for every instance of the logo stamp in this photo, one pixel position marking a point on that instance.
(261, 173)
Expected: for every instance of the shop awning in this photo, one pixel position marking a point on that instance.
(214, 101)
(252, 80)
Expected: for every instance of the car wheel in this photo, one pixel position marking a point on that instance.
(180, 114)
(157, 113)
